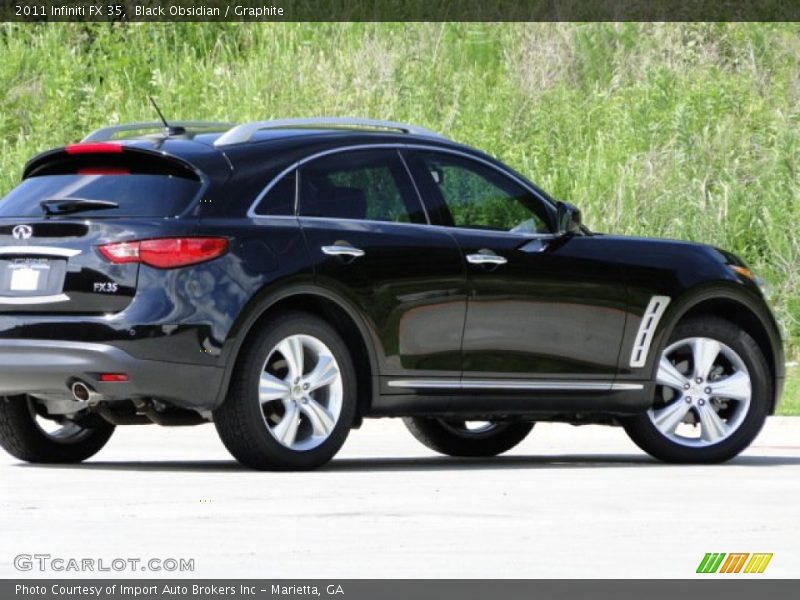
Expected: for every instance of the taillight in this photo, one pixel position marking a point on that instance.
(123, 252)
(165, 253)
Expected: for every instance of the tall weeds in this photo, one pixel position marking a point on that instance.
(678, 130)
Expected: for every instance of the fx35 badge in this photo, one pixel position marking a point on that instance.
(107, 287)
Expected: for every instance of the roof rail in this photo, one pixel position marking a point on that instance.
(107, 134)
(244, 133)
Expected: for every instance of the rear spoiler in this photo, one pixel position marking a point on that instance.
(108, 155)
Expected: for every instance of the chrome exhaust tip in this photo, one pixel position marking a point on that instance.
(83, 393)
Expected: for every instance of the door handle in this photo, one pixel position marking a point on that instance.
(485, 257)
(342, 250)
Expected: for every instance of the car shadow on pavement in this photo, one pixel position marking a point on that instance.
(433, 463)
(574, 461)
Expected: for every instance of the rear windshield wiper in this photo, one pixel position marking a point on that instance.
(63, 206)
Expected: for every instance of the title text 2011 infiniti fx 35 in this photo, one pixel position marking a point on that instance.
(287, 279)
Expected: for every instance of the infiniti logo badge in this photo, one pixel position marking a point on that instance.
(22, 232)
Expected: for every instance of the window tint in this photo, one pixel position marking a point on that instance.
(279, 200)
(480, 197)
(365, 184)
(137, 195)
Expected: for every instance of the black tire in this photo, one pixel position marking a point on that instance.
(454, 439)
(240, 422)
(646, 435)
(23, 438)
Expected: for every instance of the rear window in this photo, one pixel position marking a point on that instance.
(138, 195)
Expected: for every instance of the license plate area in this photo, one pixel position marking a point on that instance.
(23, 277)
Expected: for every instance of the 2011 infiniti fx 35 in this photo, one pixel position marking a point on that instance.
(287, 279)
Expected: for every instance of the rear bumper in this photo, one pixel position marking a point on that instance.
(37, 366)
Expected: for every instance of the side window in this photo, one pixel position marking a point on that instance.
(279, 200)
(478, 196)
(363, 184)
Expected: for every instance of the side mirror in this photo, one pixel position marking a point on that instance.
(569, 218)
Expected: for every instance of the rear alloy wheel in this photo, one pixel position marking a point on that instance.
(467, 438)
(300, 407)
(27, 435)
(293, 401)
(712, 395)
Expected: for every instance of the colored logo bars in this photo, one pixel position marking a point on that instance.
(716, 562)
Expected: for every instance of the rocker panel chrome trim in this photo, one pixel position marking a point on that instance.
(505, 384)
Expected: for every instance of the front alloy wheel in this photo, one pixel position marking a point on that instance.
(705, 392)
(293, 396)
(713, 392)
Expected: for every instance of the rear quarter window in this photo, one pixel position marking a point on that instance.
(280, 199)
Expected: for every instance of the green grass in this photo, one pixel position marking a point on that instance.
(677, 130)
(790, 404)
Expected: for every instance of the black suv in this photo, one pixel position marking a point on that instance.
(286, 279)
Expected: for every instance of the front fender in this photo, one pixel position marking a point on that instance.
(731, 300)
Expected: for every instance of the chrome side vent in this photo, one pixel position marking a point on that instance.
(647, 328)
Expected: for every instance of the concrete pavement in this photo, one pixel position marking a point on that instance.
(568, 502)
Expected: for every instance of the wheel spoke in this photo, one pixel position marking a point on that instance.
(292, 350)
(669, 375)
(286, 429)
(734, 387)
(668, 418)
(712, 427)
(704, 352)
(271, 388)
(325, 373)
(322, 422)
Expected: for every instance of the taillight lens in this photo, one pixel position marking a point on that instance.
(124, 252)
(166, 253)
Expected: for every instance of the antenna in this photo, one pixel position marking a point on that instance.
(168, 129)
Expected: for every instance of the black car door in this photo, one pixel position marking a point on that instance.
(540, 306)
(369, 239)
